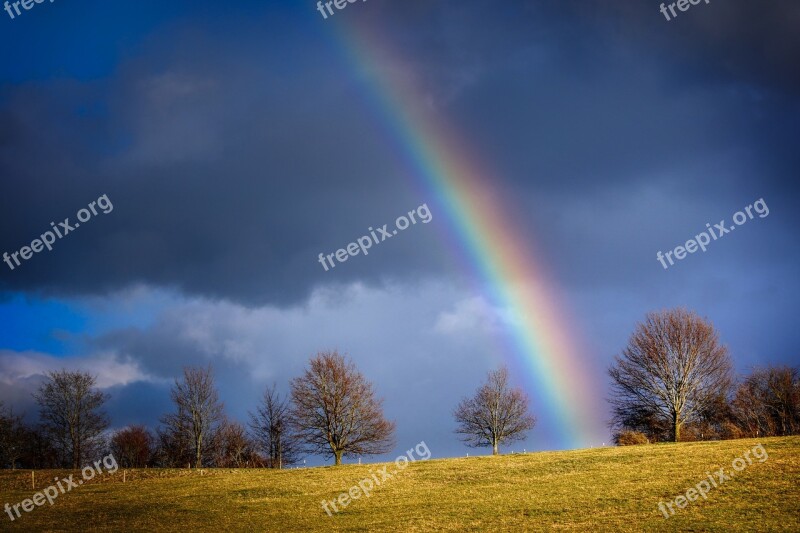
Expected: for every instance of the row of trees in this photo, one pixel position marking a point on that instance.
(674, 381)
(332, 411)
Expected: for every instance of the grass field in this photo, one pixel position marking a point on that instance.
(605, 489)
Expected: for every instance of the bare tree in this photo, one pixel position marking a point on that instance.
(495, 415)
(673, 370)
(40, 452)
(714, 421)
(767, 402)
(173, 445)
(133, 447)
(199, 411)
(232, 447)
(749, 412)
(335, 411)
(70, 409)
(13, 438)
(271, 429)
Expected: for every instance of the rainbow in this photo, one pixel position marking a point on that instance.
(538, 337)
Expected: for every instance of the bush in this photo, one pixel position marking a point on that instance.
(732, 431)
(630, 438)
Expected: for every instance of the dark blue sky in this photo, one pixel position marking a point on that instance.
(235, 144)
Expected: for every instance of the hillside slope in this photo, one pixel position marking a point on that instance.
(605, 489)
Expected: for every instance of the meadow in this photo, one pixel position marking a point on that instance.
(601, 489)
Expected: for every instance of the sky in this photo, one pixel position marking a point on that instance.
(236, 142)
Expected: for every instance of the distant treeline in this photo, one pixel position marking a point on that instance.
(332, 410)
(673, 381)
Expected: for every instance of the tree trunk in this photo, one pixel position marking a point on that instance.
(676, 427)
(338, 456)
(76, 452)
(495, 451)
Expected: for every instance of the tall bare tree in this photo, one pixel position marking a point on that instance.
(199, 411)
(335, 411)
(673, 370)
(270, 426)
(70, 409)
(495, 415)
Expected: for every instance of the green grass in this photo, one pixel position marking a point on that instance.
(604, 489)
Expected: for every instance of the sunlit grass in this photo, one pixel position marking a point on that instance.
(604, 489)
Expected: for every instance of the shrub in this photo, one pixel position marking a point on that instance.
(630, 438)
(732, 431)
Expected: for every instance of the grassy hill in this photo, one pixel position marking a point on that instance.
(605, 489)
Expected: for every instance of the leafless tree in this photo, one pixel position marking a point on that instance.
(673, 370)
(749, 412)
(133, 447)
(70, 409)
(495, 415)
(335, 411)
(270, 426)
(199, 411)
(232, 447)
(714, 421)
(173, 445)
(767, 402)
(13, 438)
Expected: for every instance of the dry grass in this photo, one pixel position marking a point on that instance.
(606, 489)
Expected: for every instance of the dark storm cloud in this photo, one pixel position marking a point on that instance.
(233, 161)
(617, 132)
(226, 180)
(138, 403)
(751, 43)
